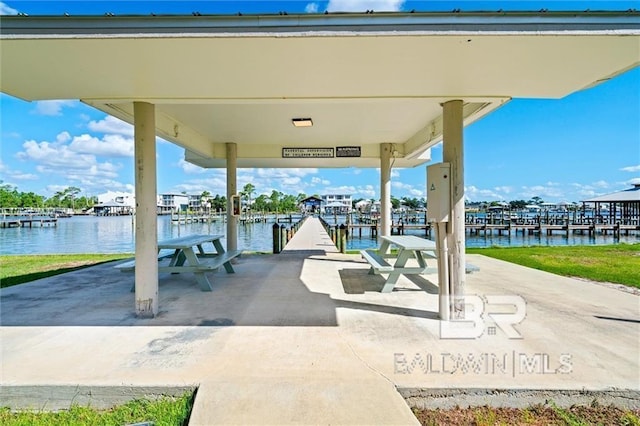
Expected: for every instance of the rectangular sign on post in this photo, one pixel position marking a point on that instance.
(307, 152)
(348, 151)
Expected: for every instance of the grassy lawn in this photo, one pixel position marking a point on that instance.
(162, 412)
(537, 415)
(619, 263)
(18, 269)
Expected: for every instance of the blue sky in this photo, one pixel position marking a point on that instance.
(560, 150)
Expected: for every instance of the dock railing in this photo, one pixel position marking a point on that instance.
(282, 235)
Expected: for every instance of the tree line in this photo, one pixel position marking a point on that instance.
(275, 202)
(68, 198)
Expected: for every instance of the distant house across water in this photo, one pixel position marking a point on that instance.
(114, 203)
(337, 203)
(172, 203)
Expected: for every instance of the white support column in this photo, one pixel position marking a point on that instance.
(385, 188)
(232, 189)
(146, 272)
(452, 152)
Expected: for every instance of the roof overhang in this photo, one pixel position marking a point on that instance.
(631, 195)
(364, 79)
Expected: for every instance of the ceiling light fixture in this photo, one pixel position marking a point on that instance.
(302, 122)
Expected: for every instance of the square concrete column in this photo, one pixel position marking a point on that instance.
(146, 271)
(232, 189)
(385, 188)
(453, 152)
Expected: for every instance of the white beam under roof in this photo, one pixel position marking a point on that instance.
(364, 79)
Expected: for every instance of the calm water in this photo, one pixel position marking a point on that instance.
(90, 234)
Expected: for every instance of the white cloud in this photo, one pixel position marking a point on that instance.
(318, 181)
(6, 10)
(343, 189)
(190, 168)
(111, 124)
(363, 5)
(77, 172)
(51, 107)
(58, 158)
(504, 189)
(407, 189)
(284, 173)
(631, 168)
(63, 137)
(95, 185)
(311, 8)
(291, 181)
(216, 183)
(634, 181)
(368, 191)
(56, 188)
(22, 176)
(586, 193)
(474, 193)
(109, 146)
(15, 174)
(601, 184)
(543, 191)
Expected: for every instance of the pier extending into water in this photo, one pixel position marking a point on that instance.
(28, 222)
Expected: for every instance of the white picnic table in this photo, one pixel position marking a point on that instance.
(189, 255)
(409, 247)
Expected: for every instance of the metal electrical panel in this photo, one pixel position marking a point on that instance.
(438, 192)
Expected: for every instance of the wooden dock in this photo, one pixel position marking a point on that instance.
(592, 229)
(617, 229)
(28, 222)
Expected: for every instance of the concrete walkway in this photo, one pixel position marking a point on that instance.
(303, 338)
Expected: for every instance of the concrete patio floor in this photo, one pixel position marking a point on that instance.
(303, 337)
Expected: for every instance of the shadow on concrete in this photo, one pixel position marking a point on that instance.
(424, 284)
(266, 290)
(387, 309)
(359, 281)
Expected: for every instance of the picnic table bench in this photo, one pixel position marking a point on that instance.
(409, 246)
(188, 255)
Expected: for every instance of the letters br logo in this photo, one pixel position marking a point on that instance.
(486, 314)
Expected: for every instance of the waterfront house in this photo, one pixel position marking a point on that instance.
(172, 203)
(114, 203)
(337, 203)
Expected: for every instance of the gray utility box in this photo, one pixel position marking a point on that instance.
(438, 192)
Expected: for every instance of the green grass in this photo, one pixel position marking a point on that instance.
(166, 411)
(619, 263)
(18, 269)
